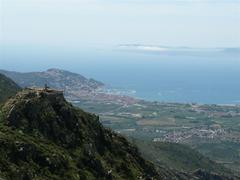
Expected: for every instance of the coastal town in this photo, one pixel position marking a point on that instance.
(185, 135)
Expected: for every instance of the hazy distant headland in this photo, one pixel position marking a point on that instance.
(179, 50)
(150, 72)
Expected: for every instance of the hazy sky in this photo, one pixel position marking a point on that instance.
(201, 23)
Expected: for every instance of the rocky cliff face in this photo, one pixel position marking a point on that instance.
(43, 136)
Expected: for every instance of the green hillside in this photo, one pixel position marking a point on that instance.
(7, 88)
(178, 156)
(44, 137)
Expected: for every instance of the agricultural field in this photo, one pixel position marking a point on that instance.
(212, 130)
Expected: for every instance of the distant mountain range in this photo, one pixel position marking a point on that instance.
(75, 86)
(55, 78)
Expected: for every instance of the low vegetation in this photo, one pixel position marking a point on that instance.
(43, 137)
(8, 88)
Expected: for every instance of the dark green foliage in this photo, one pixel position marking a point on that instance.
(42, 136)
(178, 156)
(8, 88)
(210, 176)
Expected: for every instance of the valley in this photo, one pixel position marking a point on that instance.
(119, 90)
(213, 130)
(210, 132)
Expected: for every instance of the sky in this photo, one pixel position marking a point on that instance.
(93, 37)
(106, 23)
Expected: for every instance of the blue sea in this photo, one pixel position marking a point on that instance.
(212, 78)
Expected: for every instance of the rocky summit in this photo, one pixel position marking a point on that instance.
(42, 136)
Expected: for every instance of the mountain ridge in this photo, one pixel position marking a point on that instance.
(55, 78)
(8, 88)
(45, 117)
(42, 136)
(75, 86)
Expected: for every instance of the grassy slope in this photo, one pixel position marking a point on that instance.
(226, 153)
(177, 156)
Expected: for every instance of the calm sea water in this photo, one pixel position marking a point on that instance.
(205, 78)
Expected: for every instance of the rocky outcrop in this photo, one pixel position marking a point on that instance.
(43, 136)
